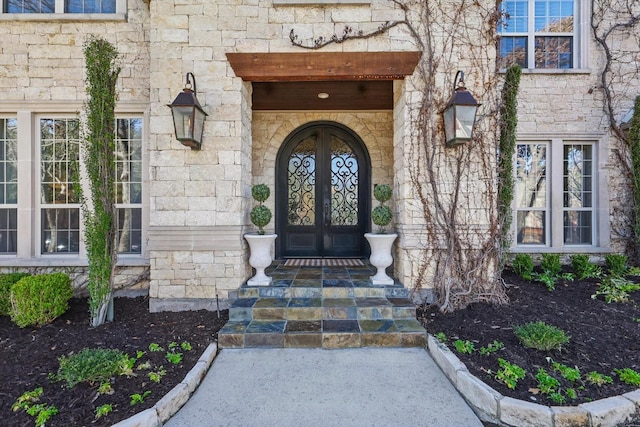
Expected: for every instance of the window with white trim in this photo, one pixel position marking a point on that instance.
(59, 204)
(555, 194)
(8, 185)
(540, 34)
(57, 6)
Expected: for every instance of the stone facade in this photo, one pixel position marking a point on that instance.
(196, 203)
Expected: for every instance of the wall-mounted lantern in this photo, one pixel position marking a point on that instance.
(188, 116)
(459, 114)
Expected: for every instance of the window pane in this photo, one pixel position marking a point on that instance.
(512, 51)
(554, 52)
(554, 16)
(515, 16)
(30, 6)
(128, 171)
(130, 230)
(578, 173)
(8, 231)
(531, 176)
(578, 227)
(60, 230)
(531, 227)
(90, 6)
(59, 150)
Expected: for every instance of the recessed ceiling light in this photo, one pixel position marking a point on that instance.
(323, 95)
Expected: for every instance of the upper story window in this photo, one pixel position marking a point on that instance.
(541, 34)
(60, 6)
(8, 186)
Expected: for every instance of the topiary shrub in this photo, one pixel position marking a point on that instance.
(6, 282)
(38, 300)
(381, 215)
(260, 215)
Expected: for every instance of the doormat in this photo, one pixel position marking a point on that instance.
(323, 262)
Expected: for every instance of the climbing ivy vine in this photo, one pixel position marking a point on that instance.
(99, 162)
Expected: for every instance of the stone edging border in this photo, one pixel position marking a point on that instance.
(169, 404)
(493, 407)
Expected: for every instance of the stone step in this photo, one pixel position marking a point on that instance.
(282, 289)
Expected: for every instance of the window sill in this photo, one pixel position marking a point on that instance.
(563, 250)
(567, 71)
(66, 261)
(63, 17)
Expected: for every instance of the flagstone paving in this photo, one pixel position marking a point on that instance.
(322, 307)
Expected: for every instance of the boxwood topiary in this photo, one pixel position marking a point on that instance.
(6, 282)
(38, 300)
(381, 215)
(260, 215)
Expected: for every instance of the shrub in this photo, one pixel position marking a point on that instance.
(523, 266)
(616, 263)
(540, 336)
(93, 366)
(260, 215)
(584, 268)
(6, 282)
(381, 215)
(38, 300)
(551, 264)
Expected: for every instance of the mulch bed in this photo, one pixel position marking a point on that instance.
(604, 336)
(29, 355)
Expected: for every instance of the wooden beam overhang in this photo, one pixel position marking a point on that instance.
(323, 66)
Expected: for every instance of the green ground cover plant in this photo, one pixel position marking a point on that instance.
(629, 376)
(509, 373)
(464, 346)
(540, 336)
(93, 366)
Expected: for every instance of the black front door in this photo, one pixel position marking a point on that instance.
(322, 193)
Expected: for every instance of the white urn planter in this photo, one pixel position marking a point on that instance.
(381, 257)
(260, 257)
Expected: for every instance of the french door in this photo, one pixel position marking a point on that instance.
(323, 192)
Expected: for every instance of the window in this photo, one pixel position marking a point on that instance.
(66, 6)
(554, 194)
(538, 34)
(8, 186)
(60, 205)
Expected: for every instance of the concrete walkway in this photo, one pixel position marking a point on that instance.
(316, 387)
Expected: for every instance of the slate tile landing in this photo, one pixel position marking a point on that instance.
(322, 307)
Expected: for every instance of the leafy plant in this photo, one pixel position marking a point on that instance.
(93, 365)
(442, 337)
(6, 282)
(615, 289)
(571, 393)
(174, 358)
(100, 219)
(509, 374)
(546, 383)
(491, 348)
(105, 388)
(42, 413)
(38, 300)
(260, 214)
(381, 215)
(551, 271)
(27, 402)
(523, 266)
(628, 376)
(464, 347)
(571, 374)
(139, 398)
(140, 354)
(540, 336)
(103, 410)
(157, 376)
(557, 397)
(584, 268)
(26, 399)
(596, 378)
(154, 347)
(616, 264)
(185, 346)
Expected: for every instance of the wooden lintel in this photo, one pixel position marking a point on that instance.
(323, 66)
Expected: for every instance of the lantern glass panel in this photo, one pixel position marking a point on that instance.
(465, 118)
(182, 120)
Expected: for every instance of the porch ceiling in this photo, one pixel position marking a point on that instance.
(352, 80)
